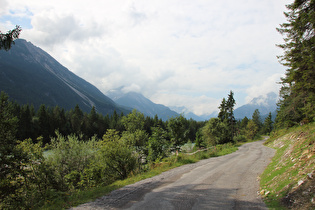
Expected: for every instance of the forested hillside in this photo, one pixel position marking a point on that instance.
(29, 75)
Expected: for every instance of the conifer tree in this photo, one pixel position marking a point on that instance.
(230, 113)
(226, 115)
(10, 157)
(44, 123)
(77, 120)
(7, 39)
(223, 110)
(257, 119)
(297, 93)
(221, 130)
(268, 124)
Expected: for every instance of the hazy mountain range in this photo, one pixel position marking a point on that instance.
(265, 105)
(29, 75)
(141, 103)
(188, 114)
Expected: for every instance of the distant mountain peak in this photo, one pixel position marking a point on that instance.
(137, 101)
(265, 104)
(265, 100)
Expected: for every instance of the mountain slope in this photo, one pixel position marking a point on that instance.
(30, 75)
(264, 104)
(141, 103)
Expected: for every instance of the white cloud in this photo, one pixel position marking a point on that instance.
(178, 52)
(51, 28)
(131, 88)
(270, 84)
(199, 105)
(3, 7)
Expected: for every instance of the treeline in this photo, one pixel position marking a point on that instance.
(226, 129)
(45, 121)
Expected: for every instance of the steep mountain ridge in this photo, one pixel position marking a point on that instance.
(30, 75)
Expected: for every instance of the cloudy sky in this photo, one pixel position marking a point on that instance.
(175, 52)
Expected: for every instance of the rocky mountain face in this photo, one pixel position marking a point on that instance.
(29, 75)
(264, 104)
(141, 103)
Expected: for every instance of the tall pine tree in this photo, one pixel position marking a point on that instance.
(7, 39)
(297, 104)
(11, 158)
(226, 116)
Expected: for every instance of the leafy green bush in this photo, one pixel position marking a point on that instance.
(239, 138)
(69, 158)
(158, 145)
(116, 155)
(202, 155)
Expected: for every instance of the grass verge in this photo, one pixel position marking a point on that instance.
(288, 181)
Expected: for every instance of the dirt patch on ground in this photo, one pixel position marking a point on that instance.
(302, 196)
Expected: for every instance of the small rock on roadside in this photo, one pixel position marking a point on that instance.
(310, 175)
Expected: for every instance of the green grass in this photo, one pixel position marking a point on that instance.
(292, 162)
(84, 196)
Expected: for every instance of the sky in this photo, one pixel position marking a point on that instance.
(175, 52)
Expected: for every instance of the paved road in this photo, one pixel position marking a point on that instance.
(227, 182)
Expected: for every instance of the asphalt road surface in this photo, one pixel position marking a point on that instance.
(226, 182)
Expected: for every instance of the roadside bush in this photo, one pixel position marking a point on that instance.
(37, 176)
(69, 158)
(117, 156)
(73, 179)
(202, 155)
(158, 145)
(199, 142)
(239, 138)
(94, 175)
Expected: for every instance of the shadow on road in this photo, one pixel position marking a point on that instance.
(180, 197)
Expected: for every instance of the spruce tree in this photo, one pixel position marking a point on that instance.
(7, 39)
(230, 113)
(268, 124)
(257, 119)
(10, 157)
(226, 116)
(297, 104)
